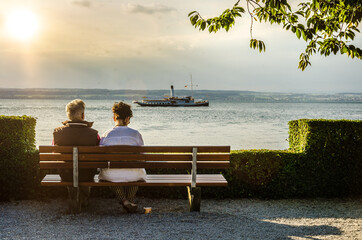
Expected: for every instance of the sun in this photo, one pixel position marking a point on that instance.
(22, 24)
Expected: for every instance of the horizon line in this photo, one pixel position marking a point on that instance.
(226, 90)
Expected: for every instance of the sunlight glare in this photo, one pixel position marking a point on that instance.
(22, 24)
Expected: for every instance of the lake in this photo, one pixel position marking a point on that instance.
(240, 125)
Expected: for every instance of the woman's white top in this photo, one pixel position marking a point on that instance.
(122, 135)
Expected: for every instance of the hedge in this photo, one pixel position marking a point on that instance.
(333, 150)
(324, 160)
(19, 158)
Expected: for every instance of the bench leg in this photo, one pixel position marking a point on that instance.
(74, 200)
(194, 198)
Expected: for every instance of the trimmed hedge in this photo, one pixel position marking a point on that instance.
(262, 173)
(252, 173)
(19, 159)
(333, 150)
(324, 160)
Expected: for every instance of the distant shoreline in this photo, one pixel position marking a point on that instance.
(212, 95)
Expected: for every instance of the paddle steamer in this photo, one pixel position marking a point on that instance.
(172, 101)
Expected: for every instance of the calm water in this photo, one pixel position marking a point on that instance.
(240, 125)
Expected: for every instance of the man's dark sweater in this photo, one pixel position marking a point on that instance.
(76, 133)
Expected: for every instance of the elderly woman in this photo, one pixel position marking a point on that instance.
(121, 134)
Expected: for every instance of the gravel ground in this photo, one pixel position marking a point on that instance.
(218, 219)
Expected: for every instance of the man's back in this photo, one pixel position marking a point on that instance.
(76, 134)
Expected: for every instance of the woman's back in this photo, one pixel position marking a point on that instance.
(121, 135)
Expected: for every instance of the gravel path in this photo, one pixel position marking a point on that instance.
(218, 219)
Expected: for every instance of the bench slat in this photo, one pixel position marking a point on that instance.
(128, 157)
(152, 180)
(55, 157)
(57, 149)
(140, 164)
(140, 149)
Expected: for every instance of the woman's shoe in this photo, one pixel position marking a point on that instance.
(129, 206)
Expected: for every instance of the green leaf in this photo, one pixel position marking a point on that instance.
(298, 33)
(193, 19)
(211, 27)
(304, 36)
(260, 46)
(192, 13)
(203, 25)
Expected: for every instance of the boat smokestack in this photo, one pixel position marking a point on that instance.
(172, 91)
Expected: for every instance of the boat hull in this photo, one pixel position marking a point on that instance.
(201, 104)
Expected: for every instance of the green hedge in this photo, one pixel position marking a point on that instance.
(333, 150)
(324, 160)
(262, 173)
(19, 159)
(252, 173)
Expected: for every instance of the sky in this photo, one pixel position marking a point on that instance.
(143, 44)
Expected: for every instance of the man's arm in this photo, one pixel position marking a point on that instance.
(98, 139)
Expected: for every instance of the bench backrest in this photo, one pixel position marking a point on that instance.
(134, 156)
(190, 157)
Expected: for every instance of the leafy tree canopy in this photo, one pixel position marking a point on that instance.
(327, 26)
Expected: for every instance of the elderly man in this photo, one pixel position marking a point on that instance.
(76, 132)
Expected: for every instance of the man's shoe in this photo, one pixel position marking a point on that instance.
(129, 206)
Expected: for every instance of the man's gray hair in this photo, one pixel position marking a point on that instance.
(75, 109)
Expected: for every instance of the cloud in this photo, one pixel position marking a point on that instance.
(149, 9)
(82, 3)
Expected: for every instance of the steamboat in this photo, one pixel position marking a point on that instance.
(172, 101)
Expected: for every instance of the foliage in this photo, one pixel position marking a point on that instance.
(324, 160)
(327, 26)
(334, 153)
(264, 173)
(19, 158)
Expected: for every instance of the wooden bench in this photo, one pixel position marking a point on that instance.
(182, 157)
